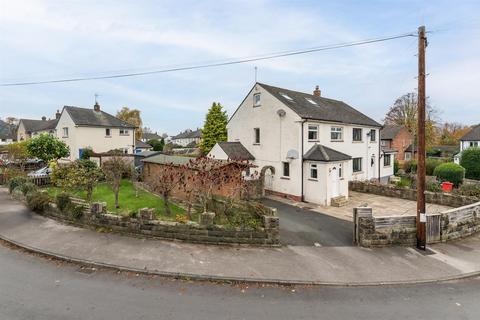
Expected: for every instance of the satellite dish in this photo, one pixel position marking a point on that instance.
(281, 113)
(292, 154)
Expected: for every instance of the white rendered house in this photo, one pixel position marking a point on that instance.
(307, 147)
(82, 128)
(469, 140)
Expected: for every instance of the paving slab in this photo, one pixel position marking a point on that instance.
(290, 264)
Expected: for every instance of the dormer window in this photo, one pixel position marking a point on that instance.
(311, 101)
(256, 100)
(286, 96)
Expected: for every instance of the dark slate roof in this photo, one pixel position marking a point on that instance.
(472, 135)
(389, 132)
(326, 109)
(321, 153)
(39, 125)
(90, 117)
(151, 136)
(141, 144)
(7, 131)
(236, 151)
(145, 154)
(189, 134)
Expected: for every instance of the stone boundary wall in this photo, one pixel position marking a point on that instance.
(145, 225)
(444, 199)
(373, 231)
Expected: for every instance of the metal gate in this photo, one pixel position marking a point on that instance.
(433, 228)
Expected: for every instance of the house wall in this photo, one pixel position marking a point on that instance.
(5, 141)
(92, 137)
(364, 149)
(402, 140)
(278, 135)
(466, 144)
(185, 141)
(21, 132)
(318, 191)
(386, 171)
(217, 153)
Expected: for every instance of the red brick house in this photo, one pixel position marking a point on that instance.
(397, 138)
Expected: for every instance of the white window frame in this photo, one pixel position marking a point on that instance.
(389, 157)
(65, 132)
(407, 156)
(257, 103)
(314, 129)
(125, 132)
(313, 168)
(360, 163)
(109, 134)
(336, 130)
(285, 165)
(373, 135)
(353, 134)
(255, 135)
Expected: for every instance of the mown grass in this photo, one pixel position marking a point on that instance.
(128, 200)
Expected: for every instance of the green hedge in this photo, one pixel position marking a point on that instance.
(410, 166)
(431, 164)
(470, 160)
(450, 172)
(16, 182)
(38, 201)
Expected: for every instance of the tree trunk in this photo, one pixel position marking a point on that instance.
(165, 203)
(116, 198)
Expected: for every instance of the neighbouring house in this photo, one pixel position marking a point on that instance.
(187, 137)
(147, 136)
(307, 147)
(84, 128)
(232, 150)
(411, 152)
(443, 151)
(469, 140)
(7, 133)
(154, 164)
(28, 128)
(395, 137)
(141, 146)
(142, 155)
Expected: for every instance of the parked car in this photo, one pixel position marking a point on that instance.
(43, 172)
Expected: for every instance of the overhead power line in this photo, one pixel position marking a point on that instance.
(218, 64)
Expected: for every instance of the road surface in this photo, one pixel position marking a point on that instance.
(32, 287)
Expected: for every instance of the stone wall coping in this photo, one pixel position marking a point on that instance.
(468, 206)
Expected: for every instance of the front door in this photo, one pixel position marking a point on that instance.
(334, 181)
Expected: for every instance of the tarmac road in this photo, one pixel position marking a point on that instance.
(32, 287)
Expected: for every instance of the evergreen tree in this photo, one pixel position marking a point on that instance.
(215, 127)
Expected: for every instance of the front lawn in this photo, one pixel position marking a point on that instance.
(127, 200)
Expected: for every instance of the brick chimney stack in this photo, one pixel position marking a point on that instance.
(317, 92)
(57, 115)
(96, 107)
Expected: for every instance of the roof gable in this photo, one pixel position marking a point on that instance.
(472, 135)
(389, 132)
(308, 106)
(31, 125)
(89, 117)
(235, 151)
(321, 153)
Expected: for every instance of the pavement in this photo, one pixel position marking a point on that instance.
(382, 206)
(327, 265)
(43, 289)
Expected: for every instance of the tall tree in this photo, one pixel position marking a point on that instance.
(404, 113)
(47, 147)
(215, 127)
(451, 132)
(132, 116)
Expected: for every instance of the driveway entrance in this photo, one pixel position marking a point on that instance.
(303, 227)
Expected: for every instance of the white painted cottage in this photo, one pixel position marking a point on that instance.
(92, 128)
(308, 147)
(471, 139)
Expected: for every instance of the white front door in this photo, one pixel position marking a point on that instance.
(334, 181)
(371, 167)
(268, 180)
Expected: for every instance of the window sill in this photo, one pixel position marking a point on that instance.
(389, 166)
(124, 135)
(108, 136)
(256, 106)
(311, 179)
(256, 144)
(336, 140)
(357, 141)
(314, 140)
(357, 172)
(285, 178)
(65, 137)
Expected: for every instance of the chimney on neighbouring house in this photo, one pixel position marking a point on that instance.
(317, 92)
(96, 107)
(44, 118)
(57, 115)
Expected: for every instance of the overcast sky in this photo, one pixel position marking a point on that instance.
(42, 40)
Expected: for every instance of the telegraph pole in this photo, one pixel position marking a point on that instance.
(421, 171)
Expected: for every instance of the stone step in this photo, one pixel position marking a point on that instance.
(339, 201)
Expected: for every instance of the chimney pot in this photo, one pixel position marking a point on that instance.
(44, 118)
(317, 92)
(57, 115)
(96, 107)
